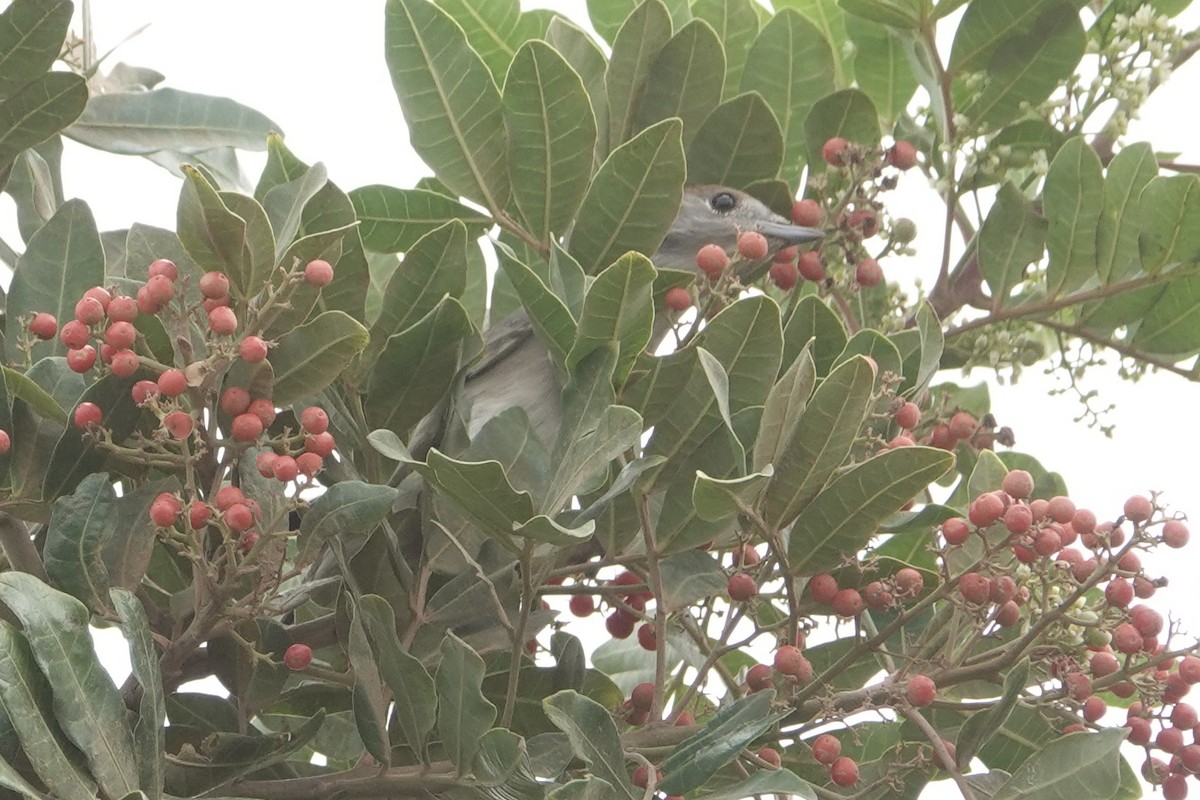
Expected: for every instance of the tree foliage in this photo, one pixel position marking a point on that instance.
(265, 456)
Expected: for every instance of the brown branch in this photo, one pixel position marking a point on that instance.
(18, 547)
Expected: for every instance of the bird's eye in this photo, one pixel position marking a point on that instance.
(723, 202)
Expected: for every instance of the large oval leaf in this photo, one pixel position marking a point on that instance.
(312, 356)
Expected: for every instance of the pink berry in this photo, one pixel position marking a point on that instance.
(759, 678)
(974, 588)
(44, 326)
(143, 391)
(848, 603)
(902, 155)
(752, 245)
(807, 213)
(826, 748)
(582, 605)
(298, 656)
(908, 581)
(172, 383)
(1175, 533)
(844, 771)
(314, 420)
(785, 275)
(87, 414)
(238, 517)
(834, 151)
(163, 266)
(146, 303)
(5, 442)
(985, 510)
(198, 515)
(89, 311)
(264, 409)
(81, 360)
(235, 400)
(823, 588)
(285, 469)
(164, 510)
(908, 416)
(868, 273)
(741, 587)
(712, 260)
(160, 289)
(75, 334)
(1018, 484)
(1018, 519)
(122, 308)
(811, 267)
(920, 690)
(955, 531)
(318, 273)
(677, 299)
(619, 624)
(179, 424)
(252, 349)
(246, 427)
(222, 321)
(771, 756)
(309, 464)
(227, 496)
(214, 285)
(646, 638)
(322, 444)
(1138, 508)
(124, 363)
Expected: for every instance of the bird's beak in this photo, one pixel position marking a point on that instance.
(790, 234)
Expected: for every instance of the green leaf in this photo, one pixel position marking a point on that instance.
(1122, 216)
(981, 726)
(986, 26)
(450, 102)
(80, 525)
(416, 368)
(27, 700)
(633, 198)
(74, 457)
(481, 491)
(792, 66)
(139, 123)
(38, 110)
(690, 576)
(463, 713)
(1170, 324)
(821, 440)
(491, 26)
(736, 24)
(813, 319)
(394, 219)
(699, 757)
(593, 737)
(259, 244)
(369, 701)
(1171, 207)
(587, 788)
(87, 705)
(62, 261)
(607, 16)
(844, 517)
(1026, 68)
(148, 733)
(589, 62)
(617, 308)
(31, 37)
(312, 356)
(783, 410)
(345, 506)
(849, 114)
(1072, 199)
(434, 267)
(284, 205)
(717, 498)
(896, 13)
(1012, 237)
(585, 461)
(688, 73)
(881, 67)
(831, 20)
(412, 689)
(739, 143)
(547, 313)
(641, 36)
(1067, 766)
(214, 235)
(551, 138)
(780, 781)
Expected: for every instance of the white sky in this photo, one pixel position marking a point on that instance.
(317, 69)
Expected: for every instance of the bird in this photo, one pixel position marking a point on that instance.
(516, 369)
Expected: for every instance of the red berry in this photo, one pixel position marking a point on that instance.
(198, 515)
(247, 541)
(823, 588)
(87, 414)
(172, 382)
(318, 273)
(1127, 639)
(235, 400)
(677, 299)
(124, 363)
(745, 554)
(908, 416)
(1018, 484)
(209, 303)
(298, 656)
(877, 597)
(239, 517)
(1119, 592)
(771, 756)
(582, 605)
(712, 260)
(759, 678)
(941, 437)
(908, 581)
(963, 425)
(784, 274)
(826, 748)
(143, 391)
(322, 444)
(902, 155)
(5, 442)
(263, 409)
(1008, 614)
(314, 420)
(920, 690)
(1148, 621)
(160, 289)
(1094, 708)
(246, 428)
(75, 334)
(1175, 788)
(807, 212)
(163, 266)
(164, 510)
(1175, 533)
(146, 303)
(811, 267)
(646, 637)
(985, 509)
(252, 349)
(222, 321)
(1047, 542)
(955, 531)
(741, 587)
(1189, 669)
(309, 464)
(89, 311)
(227, 496)
(848, 603)
(786, 256)
(285, 469)
(974, 588)
(179, 424)
(834, 151)
(642, 696)
(122, 308)
(844, 771)
(1078, 686)
(1169, 740)
(1018, 519)
(264, 462)
(619, 624)
(789, 660)
(81, 360)
(43, 325)
(1139, 730)
(752, 245)
(1138, 508)
(1104, 664)
(868, 272)
(214, 285)
(866, 221)
(1061, 509)
(121, 335)
(1184, 716)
